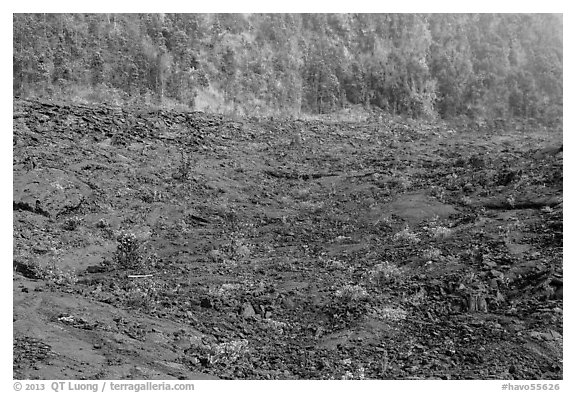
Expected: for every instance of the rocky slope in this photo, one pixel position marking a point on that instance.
(155, 244)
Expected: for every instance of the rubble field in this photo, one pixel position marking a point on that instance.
(154, 244)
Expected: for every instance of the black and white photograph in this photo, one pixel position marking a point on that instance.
(287, 196)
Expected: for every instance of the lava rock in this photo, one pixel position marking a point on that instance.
(247, 311)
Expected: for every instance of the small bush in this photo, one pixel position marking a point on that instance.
(358, 372)
(384, 273)
(72, 223)
(432, 254)
(438, 193)
(235, 250)
(223, 353)
(333, 264)
(225, 291)
(436, 230)
(143, 294)
(351, 293)
(128, 253)
(185, 167)
(440, 232)
(52, 273)
(389, 313)
(102, 223)
(56, 275)
(277, 326)
(151, 196)
(407, 235)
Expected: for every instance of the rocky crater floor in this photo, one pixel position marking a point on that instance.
(166, 245)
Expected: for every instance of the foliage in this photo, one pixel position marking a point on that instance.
(419, 65)
(52, 273)
(406, 235)
(384, 273)
(350, 293)
(128, 254)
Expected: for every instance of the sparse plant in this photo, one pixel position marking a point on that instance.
(332, 193)
(439, 193)
(407, 235)
(389, 313)
(216, 255)
(404, 183)
(440, 232)
(384, 273)
(102, 223)
(302, 193)
(278, 326)
(142, 294)
(151, 196)
(285, 264)
(385, 223)
(466, 200)
(504, 232)
(229, 351)
(242, 251)
(431, 254)
(351, 293)
(137, 299)
(51, 273)
(58, 276)
(182, 226)
(185, 166)
(358, 373)
(436, 230)
(333, 264)
(314, 207)
(226, 352)
(72, 223)
(236, 249)
(225, 291)
(107, 231)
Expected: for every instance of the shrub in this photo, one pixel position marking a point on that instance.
(72, 223)
(407, 235)
(56, 275)
(351, 293)
(223, 353)
(440, 232)
(128, 254)
(102, 223)
(184, 168)
(144, 294)
(432, 254)
(384, 272)
(51, 273)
